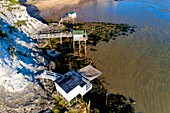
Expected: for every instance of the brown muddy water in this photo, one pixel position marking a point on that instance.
(137, 66)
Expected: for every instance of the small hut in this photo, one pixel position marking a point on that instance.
(81, 37)
(69, 16)
(72, 15)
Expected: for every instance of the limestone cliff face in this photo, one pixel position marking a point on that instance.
(20, 57)
(17, 16)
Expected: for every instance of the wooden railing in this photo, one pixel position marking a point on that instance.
(53, 35)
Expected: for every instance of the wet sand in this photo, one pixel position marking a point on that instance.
(46, 5)
(51, 10)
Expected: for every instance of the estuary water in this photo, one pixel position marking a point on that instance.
(137, 66)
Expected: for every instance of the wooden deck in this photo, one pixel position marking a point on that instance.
(53, 35)
(59, 34)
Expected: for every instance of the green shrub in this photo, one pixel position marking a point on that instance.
(13, 1)
(9, 8)
(20, 23)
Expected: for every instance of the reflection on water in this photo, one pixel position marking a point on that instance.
(139, 65)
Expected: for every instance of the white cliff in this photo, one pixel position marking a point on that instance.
(15, 14)
(20, 57)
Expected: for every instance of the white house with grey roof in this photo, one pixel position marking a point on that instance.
(72, 83)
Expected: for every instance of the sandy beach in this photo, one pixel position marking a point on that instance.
(53, 9)
(48, 4)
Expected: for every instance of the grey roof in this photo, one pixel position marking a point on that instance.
(89, 72)
(69, 81)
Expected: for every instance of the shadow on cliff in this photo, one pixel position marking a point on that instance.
(14, 49)
(33, 11)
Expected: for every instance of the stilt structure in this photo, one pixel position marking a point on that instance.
(79, 36)
(61, 39)
(49, 35)
(70, 16)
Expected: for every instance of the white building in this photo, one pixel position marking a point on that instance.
(69, 16)
(72, 15)
(72, 83)
(79, 35)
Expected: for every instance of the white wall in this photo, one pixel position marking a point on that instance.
(85, 90)
(62, 92)
(73, 93)
(74, 15)
(78, 37)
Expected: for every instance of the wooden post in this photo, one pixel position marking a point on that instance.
(59, 23)
(50, 42)
(106, 99)
(79, 47)
(57, 92)
(73, 46)
(85, 48)
(69, 103)
(88, 107)
(76, 99)
(73, 20)
(61, 40)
